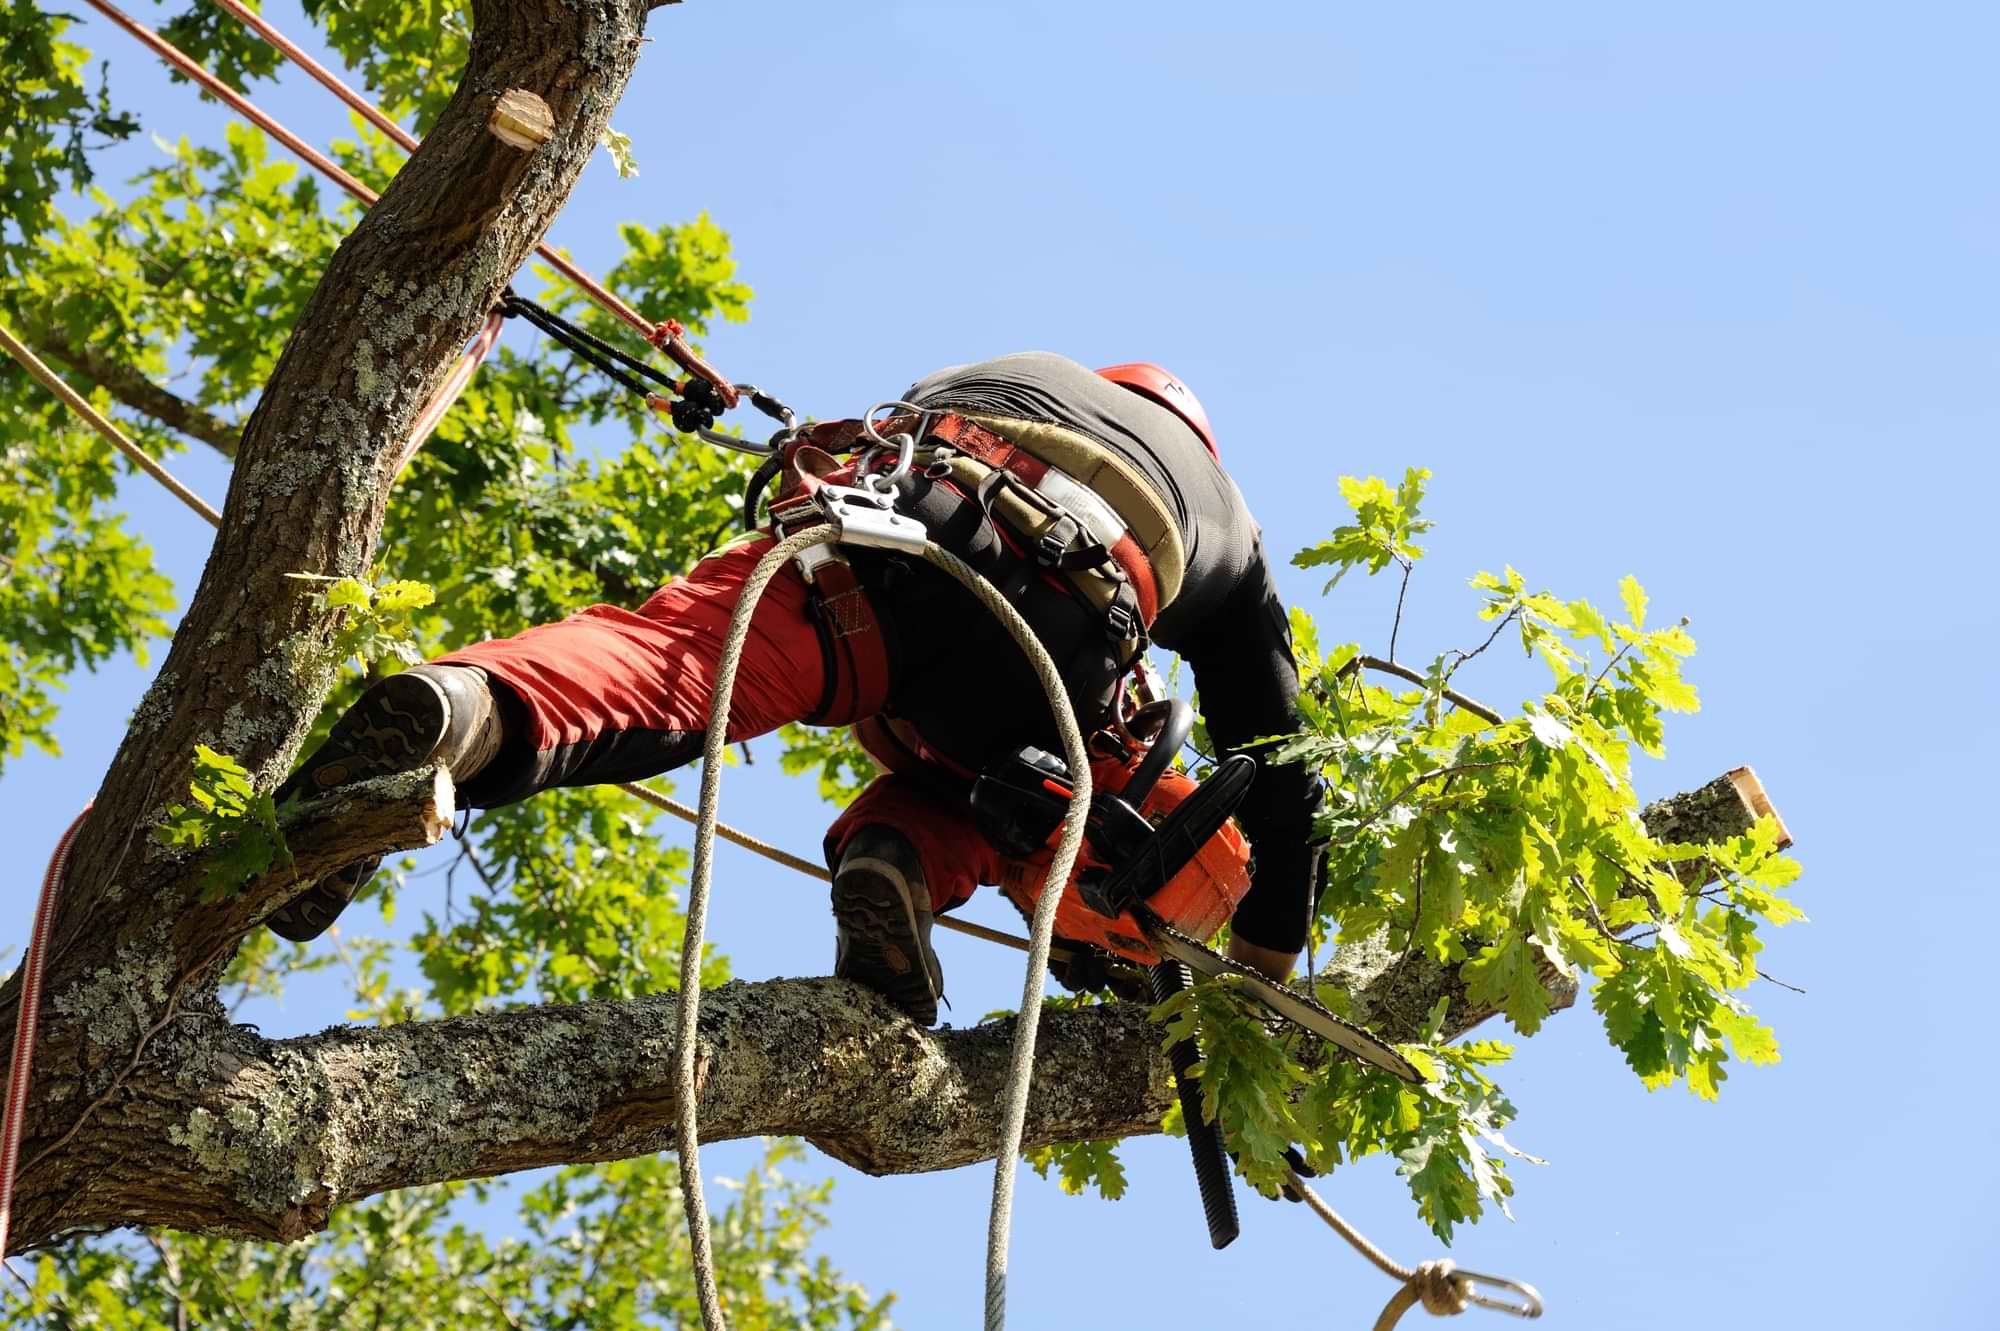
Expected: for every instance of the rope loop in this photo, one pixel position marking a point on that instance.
(1440, 1289)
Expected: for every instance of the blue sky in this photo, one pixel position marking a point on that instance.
(1705, 294)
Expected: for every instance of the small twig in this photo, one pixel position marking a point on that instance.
(173, 1270)
(1780, 983)
(55, 1304)
(1409, 567)
(1617, 656)
(1464, 656)
(498, 1306)
(1416, 908)
(1456, 699)
(1427, 777)
(480, 869)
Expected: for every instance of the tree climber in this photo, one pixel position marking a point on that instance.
(1095, 501)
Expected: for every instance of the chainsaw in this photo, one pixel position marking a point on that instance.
(1163, 867)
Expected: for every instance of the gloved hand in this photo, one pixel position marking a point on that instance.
(1092, 970)
(1297, 1160)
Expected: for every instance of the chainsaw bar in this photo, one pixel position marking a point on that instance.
(1288, 1003)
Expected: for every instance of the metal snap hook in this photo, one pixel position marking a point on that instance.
(1527, 1303)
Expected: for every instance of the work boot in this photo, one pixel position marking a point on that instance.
(883, 912)
(428, 714)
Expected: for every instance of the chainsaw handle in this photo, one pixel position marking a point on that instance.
(1177, 725)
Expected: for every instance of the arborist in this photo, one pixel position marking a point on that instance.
(1096, 501)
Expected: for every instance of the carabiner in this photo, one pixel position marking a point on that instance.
(771, 407)
(1529, 1303)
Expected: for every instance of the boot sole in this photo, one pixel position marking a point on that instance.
(396, 726)
(884, 948)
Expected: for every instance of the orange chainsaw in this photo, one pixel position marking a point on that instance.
(1163, 866)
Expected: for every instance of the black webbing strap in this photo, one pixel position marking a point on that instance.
(614, 363)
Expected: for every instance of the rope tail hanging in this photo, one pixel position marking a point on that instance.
(1440, 1286)
(686, 1073)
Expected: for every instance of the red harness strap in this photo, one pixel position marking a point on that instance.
(982, 445)
(844, 610)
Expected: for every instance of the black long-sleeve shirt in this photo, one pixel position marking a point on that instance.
(1226, 621)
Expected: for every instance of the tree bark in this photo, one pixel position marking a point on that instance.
(220, 1129)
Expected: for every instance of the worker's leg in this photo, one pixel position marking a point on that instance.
(616, 695)
(903, 851)
(605, 695)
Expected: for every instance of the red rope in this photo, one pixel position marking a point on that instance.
(448, 391)
(21, 1066)
(242, 105)
(374, 115)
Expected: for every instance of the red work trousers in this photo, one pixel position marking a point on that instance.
(615, 695)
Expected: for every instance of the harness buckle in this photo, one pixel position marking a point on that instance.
(1120, 623)
(869, 517)
(1054, 541)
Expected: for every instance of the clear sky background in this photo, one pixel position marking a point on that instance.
(1703, 293)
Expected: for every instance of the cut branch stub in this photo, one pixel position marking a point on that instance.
(521, 120)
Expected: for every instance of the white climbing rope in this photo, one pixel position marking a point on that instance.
(1021, 1069)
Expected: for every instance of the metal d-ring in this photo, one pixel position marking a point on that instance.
(903, 442)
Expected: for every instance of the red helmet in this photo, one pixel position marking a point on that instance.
(1149, 380)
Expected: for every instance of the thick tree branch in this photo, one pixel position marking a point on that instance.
(261, 1138)
(407, 811)
(137, 391)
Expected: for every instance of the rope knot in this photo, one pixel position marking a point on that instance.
(1440, 1289)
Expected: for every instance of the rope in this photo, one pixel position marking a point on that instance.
(448, 391)
(1440, 1286)
(609, 360)
(26, 1016)
(235, 100)
(1020, 1072)
(77, 403)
